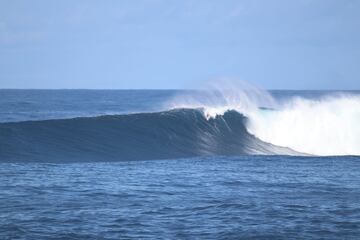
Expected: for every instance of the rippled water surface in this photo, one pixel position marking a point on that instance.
(207, 198)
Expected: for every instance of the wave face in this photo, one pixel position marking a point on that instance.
(171, 134)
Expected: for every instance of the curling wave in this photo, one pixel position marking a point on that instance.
(322, 124)
(176, 133)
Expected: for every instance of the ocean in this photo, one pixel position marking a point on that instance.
(179, 164)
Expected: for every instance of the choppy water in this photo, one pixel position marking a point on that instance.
(207, 198)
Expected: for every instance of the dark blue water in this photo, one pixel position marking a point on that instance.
(115, 177)
(207, 198)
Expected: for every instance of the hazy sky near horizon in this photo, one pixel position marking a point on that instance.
(278, 44)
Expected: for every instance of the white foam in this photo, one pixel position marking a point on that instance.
(329, 126)
(326, 126)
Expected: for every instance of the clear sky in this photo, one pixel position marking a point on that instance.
(277, 44)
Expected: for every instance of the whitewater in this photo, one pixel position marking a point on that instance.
(328, 126)
(322, 124)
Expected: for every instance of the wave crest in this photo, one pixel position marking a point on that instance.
(321, 125)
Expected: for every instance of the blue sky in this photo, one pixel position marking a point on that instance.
(277, 44)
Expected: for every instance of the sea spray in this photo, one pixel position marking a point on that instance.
(327, 125)
(217, 97)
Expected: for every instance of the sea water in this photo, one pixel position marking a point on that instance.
(207, 187)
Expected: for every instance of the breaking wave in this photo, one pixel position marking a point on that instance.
(326, 126)
(323, 124)
(226, 120)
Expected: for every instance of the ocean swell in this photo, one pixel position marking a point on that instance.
(177, 133)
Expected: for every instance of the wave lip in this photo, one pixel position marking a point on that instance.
(177, 133)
